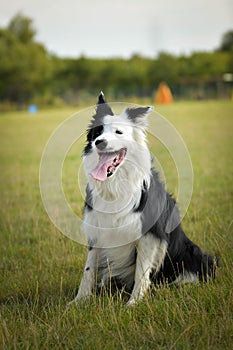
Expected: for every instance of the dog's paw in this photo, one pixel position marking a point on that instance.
(79, 301)
(131, 302)
(72, 302)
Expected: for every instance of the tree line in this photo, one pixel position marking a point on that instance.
(29, 72)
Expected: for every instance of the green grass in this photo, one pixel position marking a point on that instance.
(40, 269)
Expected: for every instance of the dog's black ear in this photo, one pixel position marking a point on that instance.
(102, 108)
(101, 98)
(138, 115)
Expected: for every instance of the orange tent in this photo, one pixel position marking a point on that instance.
(163, 94)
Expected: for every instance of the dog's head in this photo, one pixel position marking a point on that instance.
(112, 140)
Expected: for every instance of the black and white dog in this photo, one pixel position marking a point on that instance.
(132, 224)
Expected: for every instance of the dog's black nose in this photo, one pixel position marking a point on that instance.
(101, 144)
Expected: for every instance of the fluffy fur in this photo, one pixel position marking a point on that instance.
(132, 224)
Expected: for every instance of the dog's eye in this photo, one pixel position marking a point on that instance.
(96, 131)
(119, 132)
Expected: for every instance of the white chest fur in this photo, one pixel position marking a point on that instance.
(110, 230)
(116, 234)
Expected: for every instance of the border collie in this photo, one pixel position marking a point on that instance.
(132, 224)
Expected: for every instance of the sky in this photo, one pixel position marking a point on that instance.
(121, 28)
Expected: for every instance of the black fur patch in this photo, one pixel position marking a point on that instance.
(160, 212)
(143, 199)
(184, 255)
(157, 208)
(93, 133)
(135, 113)
(96, 128)
(88, 199)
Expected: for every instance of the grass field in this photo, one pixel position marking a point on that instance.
(40, 269)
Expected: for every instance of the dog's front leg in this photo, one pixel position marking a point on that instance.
(150, 255)
(89, 276)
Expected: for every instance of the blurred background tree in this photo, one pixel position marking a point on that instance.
(29, 73)
(227, 42)
(22, 27)
(24, 63)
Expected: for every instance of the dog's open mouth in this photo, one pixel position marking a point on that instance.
(107, 165)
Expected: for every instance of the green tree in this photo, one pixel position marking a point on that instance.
(164, 68)
(227, 42)
(22, 27)
(24, 64)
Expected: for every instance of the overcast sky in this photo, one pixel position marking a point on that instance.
(105, 28)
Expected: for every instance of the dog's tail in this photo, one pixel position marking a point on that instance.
(194, 261)
(204, 265)
(208, 265)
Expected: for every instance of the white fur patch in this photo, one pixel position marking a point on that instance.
(112, 222)
(150, 255)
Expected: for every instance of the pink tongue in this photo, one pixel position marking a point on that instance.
(100, 171)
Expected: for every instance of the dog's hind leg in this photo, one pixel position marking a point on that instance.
(89, 276)
(150, 256)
